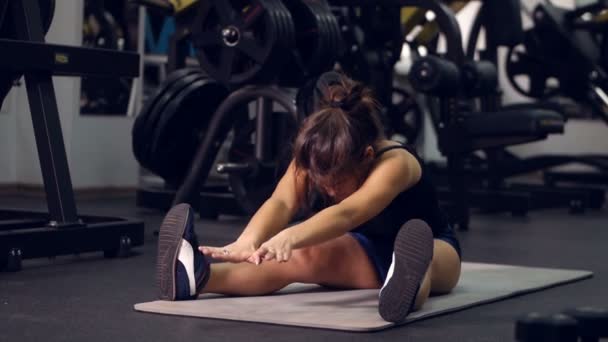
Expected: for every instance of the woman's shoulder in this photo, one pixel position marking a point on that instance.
(390, 148)
(397, 159)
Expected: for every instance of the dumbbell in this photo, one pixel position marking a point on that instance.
(547, 328)
(592, 322)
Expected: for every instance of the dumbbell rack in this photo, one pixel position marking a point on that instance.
(26, 234)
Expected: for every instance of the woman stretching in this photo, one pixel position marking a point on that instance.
(376, 223)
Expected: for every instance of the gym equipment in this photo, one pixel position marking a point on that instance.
(251, 180)
(436, 76)
(107, 96)
(252, 177)
(404, 115)
(538, 327)
(151, 119)
(7, 30)
(26, 234)
(462, 130)
(182, 125)
(310, 305)
(209, 38)
(238, 42)
(563, 54)
(592, 323)
(493, 170)
(184, 13)
(318, 41)
(142, 134)
(170, 127)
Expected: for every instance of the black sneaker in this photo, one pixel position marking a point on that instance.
(411, 257)
(181, 269)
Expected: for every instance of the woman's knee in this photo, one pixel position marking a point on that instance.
(445, 268)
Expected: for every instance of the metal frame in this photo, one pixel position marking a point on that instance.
(498, 170)
(220, 125)
(61, 230)
(190, 190)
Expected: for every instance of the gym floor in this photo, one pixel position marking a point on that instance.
(89, 298)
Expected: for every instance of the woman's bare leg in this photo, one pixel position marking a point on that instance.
(443, 272)
(340, 262)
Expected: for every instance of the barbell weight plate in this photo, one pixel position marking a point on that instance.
(528, 71)
(281, 32)
(175, 96)
(182, 126)
(309, 49)
(158, 110)
(149, 125)
(234, 40)
(326, 41)
(138, 134)
(338, 50)
(335, 37)
(287, 37)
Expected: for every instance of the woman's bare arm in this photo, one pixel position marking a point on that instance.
(395, 172)
(276, 213)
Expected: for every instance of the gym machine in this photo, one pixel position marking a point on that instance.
(502, 24)
(203, 160)
(60, 231)
(470, 120)
(307, 38)
(561, 62)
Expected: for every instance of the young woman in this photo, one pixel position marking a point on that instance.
(376, 225)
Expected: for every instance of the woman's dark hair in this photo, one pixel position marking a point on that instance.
(332, 141)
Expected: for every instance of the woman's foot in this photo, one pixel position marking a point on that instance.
(411, 257)
(181, 270)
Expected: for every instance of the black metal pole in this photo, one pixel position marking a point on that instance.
(47, 125)
(263, 132)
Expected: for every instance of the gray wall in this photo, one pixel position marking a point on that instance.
(98, 148)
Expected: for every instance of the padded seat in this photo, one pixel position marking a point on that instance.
(509, 123)
(507, 127)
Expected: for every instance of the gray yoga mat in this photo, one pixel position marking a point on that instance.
(308, 305)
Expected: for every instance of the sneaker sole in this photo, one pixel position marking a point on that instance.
(413, 253)
(169, 240)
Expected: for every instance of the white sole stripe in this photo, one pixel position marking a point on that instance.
(186, 257)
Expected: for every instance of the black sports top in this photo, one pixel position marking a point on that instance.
(417, 202)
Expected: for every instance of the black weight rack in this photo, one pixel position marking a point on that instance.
(60, 231)
(212, 200)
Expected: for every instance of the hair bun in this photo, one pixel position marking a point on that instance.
(344, 95)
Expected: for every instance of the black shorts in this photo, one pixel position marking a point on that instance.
(380, 251)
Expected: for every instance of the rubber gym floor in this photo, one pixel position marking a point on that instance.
(89, 298)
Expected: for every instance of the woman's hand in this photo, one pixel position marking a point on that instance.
(238, 251)
(278, 248)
